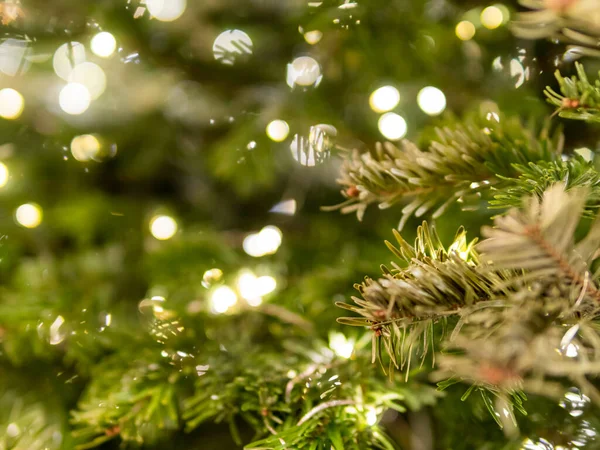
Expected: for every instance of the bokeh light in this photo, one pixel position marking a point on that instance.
(91, 76)
(303, 71)
(313, 37)
(74, 99)
(371, 416)
(431, 100)
(231, 44)
(492, 17)
(67, 57)
(211, 276)
(166, 10)
(163, 227)
(465, 30)
(266, 242)
(222, 299)
(11, 104)
(103, 44)
(85, 147)
(278, 130)
(4, 174)
(29, 215)
(253, 288)
(341, 345)
(384, 99)
(392, 126)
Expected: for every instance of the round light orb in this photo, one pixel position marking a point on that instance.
(67, 57)
(231, 44)
(11, 104)
(163, 227)
(492, 17)
(74, 99)
(103, 44)
(392, 126)
(85, 147)
(278, 130)
(4, 174)
(303, 71)
(29, 215)
(431, 100)
(313, 37)
(384, 99)
(465, 30)
(222, 299)
(166, 10)
(91, 76)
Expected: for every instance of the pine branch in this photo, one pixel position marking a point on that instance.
(536, 178)
(571, 22)
(459, 165)
(579, 98)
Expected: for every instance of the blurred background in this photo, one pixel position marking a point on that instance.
(164, 160)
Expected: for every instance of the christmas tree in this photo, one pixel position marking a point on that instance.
(299, 224)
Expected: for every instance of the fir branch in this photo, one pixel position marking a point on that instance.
(463, 161)
(536, 178)
(579, 98)
(573, 22)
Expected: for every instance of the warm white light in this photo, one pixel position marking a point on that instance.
(166, 10)
(431, 100)
(29, 215)
(371, 416)
(341, 346)
(163, 227)
(222, 299)
(264, 243)
(253, 289)
(74, 99)
(303, 71)
(3, 175)
(91, 76)
(313, 37)
(384, 99)
(85, 147)
(67, 57)
(278, 130)
(230, 44)
(571, 351)
(492, 17)
(11, 103)
(103, 44)
(211, 276)
(518, 72)
(392, 126)
(465, 30)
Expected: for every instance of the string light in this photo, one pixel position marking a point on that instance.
(384, 99)
(266, 242)
(91, 76)
(29, 215)
(492, 17)
(67, 57)
(74, 99)
(340, 345)
(11, 104)
(431, 100)
(103, 44)
(163, 227)
(3, 175)
(230, 44)
(222, 299)
(313, 37)
(392, 126)
(371, 416)
(85, 147)
(166, 10)
(278, 130)
(465, 30)
(253, 288)
(303, 71)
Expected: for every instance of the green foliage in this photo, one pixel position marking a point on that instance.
(579, 98)
(465, 160)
